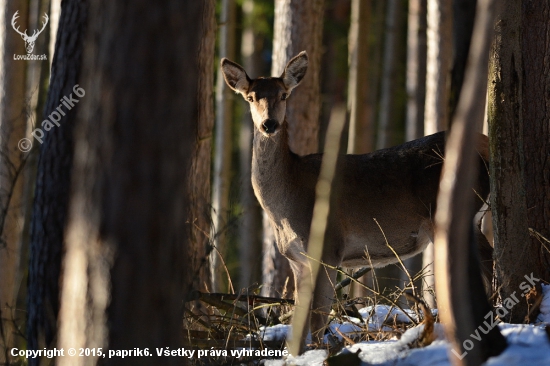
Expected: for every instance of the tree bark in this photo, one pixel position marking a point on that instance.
(13, 123)
(438, 65)
(298, 26)
(536, 131)
(462, 298)
(464, 12)
(199, 183)
(416, 69)
(386, 125)
(128, 237)
(53, 181)
(518, 116)
(251, 225)
(222, 157)
(360, 123)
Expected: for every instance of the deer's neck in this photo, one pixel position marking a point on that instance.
(271, 166)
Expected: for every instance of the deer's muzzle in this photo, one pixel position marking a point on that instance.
(270, 126)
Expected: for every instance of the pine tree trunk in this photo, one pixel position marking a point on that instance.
(360, 123)
(250, 228)
(416, 69)
(436, 116)
(54, 181)
(127, 267)
(222, 157)
(298, 27)
(386, 124)
(464, 12)
(416, 96)
(518, 131)
(13, 123)
(462, 299)
(536, 131)
(199, 184)
(438, 65)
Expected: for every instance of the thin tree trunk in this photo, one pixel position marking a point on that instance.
(128, 237)
(13, 123)
(199, 184)
(387, 135)
(53, 181)
(250, 228)
(416, 96)
(360, 124)
(386, 125)
(222, 158)
(416, 69)
(436, 117)
(464, 12)
(462, 298)
(438, 65)
(298, 26)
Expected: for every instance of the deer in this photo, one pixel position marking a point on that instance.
(29, 40)
(382, 205)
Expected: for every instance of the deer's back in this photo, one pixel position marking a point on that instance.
(389, 194)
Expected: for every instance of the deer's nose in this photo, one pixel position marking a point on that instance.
(270, 125)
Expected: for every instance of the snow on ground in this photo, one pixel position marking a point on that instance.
(527, 344)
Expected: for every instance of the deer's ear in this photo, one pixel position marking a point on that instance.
(235, 76)
(295, 70)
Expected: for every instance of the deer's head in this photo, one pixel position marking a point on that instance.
(29, 40)
(267, 96)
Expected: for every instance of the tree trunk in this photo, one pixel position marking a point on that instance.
(416, 69)
(462, 298)
(518, 126)
(126, 268)
(386, 123)
(536, 131)
(199, 184)
(13, 123)
(53, 181)
(298, 26)
(436, 117)
(360, 123)
(250, 227)
(416, 96)
(464, 12)
(222, 157)
(438, 65)
(390, 104)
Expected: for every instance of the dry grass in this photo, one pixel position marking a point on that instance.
(237, 321)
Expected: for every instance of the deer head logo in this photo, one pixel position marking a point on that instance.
(29, 40)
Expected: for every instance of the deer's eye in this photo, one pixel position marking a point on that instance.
(284, 96)
(250, 99)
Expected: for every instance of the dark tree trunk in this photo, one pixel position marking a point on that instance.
(13, 124)
(127, 265)
(462, 298)
(518, 126)
(536, 132)
(199, 184)
(464, 12)
(53, 181)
